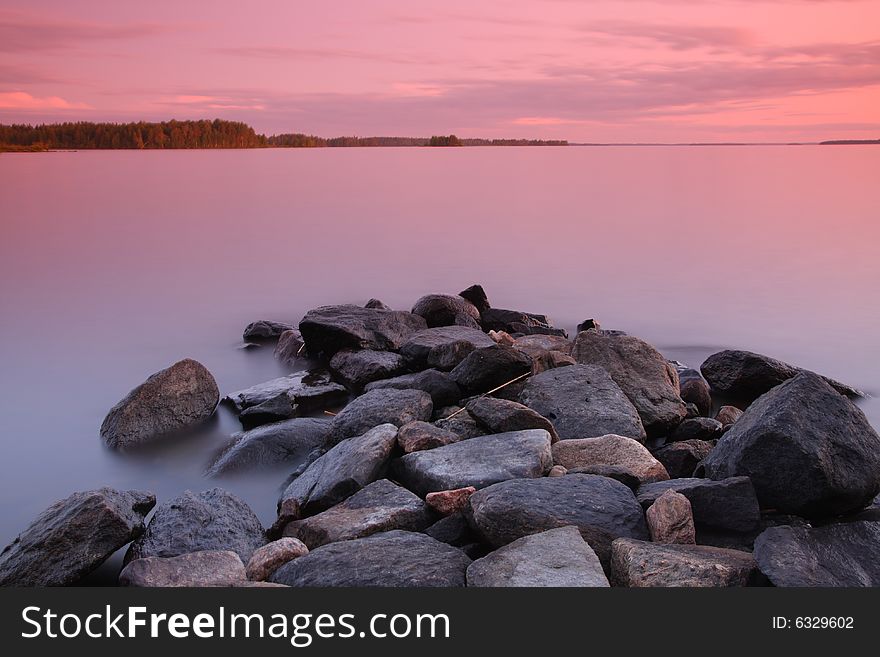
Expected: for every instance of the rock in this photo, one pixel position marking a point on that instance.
(728, 505)
(396, 559)
(502, 337)
(697, 428)
(331, 328)
(453, 530)
(418, 435)
(459, 422)
(556, 557)
(73, 537)
(272, 445)
(610, 450)
(692, 410)
(377, 305)
(645, 376)
(196, 522)
(443, 347)
(681, 458)
(206, 568)
(338, 474)
(557, 471)
(588, 324)
(642, 564)
(601, 508)
(745, 376)
(355, 369)
(477, 296)
(728, 415)
(489, 367)
(447, 502)
(538, 344)
(671, 520)
(290, 347)
(264, 330)
(177, 398)
(695, 390)
(443, 390)
(502, 415)
(383, 406)
(269, 558)
(272, 410)
(582, 401)
(616, 472)
(308, 391)
(835, 555)
(517, 322)
(377, 507)
(249, 346)
(808, 450)
(447, 310)
(477, 462)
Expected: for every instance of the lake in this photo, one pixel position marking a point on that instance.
(115, 264)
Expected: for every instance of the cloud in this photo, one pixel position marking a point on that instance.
(20, 100)
(288, 52)
(676, 37)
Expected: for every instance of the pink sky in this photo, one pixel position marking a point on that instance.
(628, 70)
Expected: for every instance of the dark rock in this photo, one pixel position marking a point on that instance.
(272, 445)
(691, 410)
(377, 305)
(459, 422)
(616, 472)
(835, 555)
(264, 330)
(517, 322)
(728, 415)
(681, 459)
(331, 328)
(477, 296)
(383, 406)
(443, 390)
(290, 347)
(269, 558)
(452, 530)
(194, 522)
(477, 462)
(276, 409)
(729, 504)
(443, 347)
(645, 376)
(745, 376)
(502, 415)
(206, 568)
(447, 310)
(489, 367)
(396, 559)
(556, 557)
(697, 428)
(642, 564)
(309, 391)
(355, 369)
(588, 324)
(807, 449)
(338, 474)
(582, 401)
(694, 389)
(418, 435)
(73, 537)
(610, 450)
(177, 398)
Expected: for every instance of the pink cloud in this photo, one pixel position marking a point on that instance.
(20, 100)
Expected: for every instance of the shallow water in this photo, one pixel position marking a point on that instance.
(116, 264)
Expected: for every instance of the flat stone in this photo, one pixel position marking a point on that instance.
(309, 391)
(517, 322)
(273, 410)
(616, 472)
(729, 504)
(442, 347)
(502, 415)
(447, 502)
(206, 568)
(418, 435)
(397, 407)
(671, 520)
(610, 450)
(269, 558)
(487, 368)
(328, 329)
(443, 390)
(355, 369)
(264, 330)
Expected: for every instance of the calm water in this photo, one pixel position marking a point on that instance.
(116, 264)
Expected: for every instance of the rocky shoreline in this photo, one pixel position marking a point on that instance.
(458, 444)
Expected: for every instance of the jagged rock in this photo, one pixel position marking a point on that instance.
(477, 296)
(264, 330)
(556, 557)
(442, 347)
(477, 462)
(443, 390)
(728, 415)
(205, 568)
(328, 329)
(698, 428)
(355, 369)
(489, 367)
(616, 472)
(308, 391)
(460, 423)
(418, 435)
(73, 537)
(502, 415)
(610, 450)
(681, 458)
(517, 322)
(272, 410)
(290, 347)
(729, 504)
(447, 502)
(383, 406)
(177, 398)
(377, 305)
(502, 337)
(582, 401)
(396, 559)
(671, 520)
(447, 310)
(453, 530)
(269, 558)
(588, 324)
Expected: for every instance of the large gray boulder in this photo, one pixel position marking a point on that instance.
(443, 347)
(207, 568)
(73, 537)
(383, 406)
(582, 401)
(843, 554)
(443, 390)
(177, 398)
(308, 391)
(487, 368)
(645, 376)
(194, 522)
(447, 310)
(502, 415)
(556, 557)
(329, 329)
(338, 474)
(357, 368)
(264, 330)
(729, 504)
(808, 450)
(477, 462)
(393, 559)
(273, 410)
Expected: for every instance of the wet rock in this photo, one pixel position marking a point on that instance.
(447, 502)
(516, 322)
(196, 522)
(272, 410)
(443, 390)
(206, 568)
(447, 310)
(338, 474)
(843, 554)
(489, 367)
(808, 450)
(477, 296)
(671, 520)
(645, 376)
(453, 530)
(681, 458)
(73, 537)
(616, 472)
(728, 415)
(502, 415)
(729, 504)
(610, 450)
(329, 329)
(443, 347)
(745, 376)
(264, 330)
(269, 558)
(418, 435)
(355, 369)
(477, 462)
(395, 559)
(383, 406)
(642, 564)
(290, 347)
(582, 401)
(177, 398)
(556, 557)
(308, 391)
(271, 445)
(698, 428)
(377, 305)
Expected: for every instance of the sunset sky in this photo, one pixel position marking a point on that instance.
(628, 70)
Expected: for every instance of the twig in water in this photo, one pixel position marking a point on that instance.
(503, 385)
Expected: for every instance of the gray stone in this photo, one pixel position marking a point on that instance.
(207, 568)
(309, 391)
(517, 322)
(272, 410)
(697, 428)
(377, 304)
(442, 347)
(447, 310)
(616, 472)
(328, 329)
(501, 415)
(290, 347)
(384, 406)
(610, 450)
(693, 388)
(729, 504)
(443, 390)
(477, 296)
(681, 459)
(264, 330)
(453, 530)
(355, 369)
(418, 435)
(487, 368)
